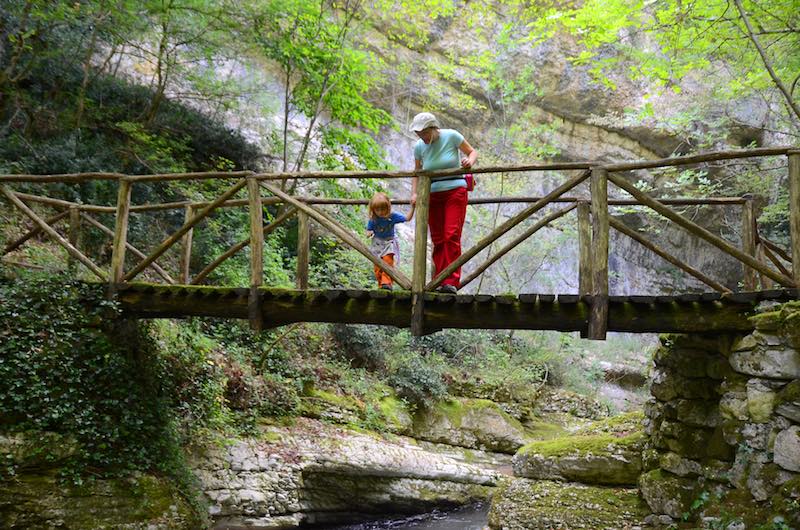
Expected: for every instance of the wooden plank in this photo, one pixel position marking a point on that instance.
(171, 240)
(303, 249)
(186, 247)
(505, 227)
(699, 317)
(699, 231)
(546, 298)
(50, 231)
(342, 233)
(527, 298)
(584, 249)
(254, 312)
(598, 317)
(619, 226)
(34, 231)
(420, 261)
(569, 298)
(515, 242)
(135, 251)
(201, 276)
(794, 213)
(749, 243)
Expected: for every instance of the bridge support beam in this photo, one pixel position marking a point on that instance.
(598, 318)
(749, 243)
(254, 312)
(420, 257)
(794, 213)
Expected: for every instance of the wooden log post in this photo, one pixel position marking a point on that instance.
(749, 243)
(120, 233)
(256, 254)
(794, 212)
(598, 316)
(74, 233)
(303, 249)
(584, 249)
(186, 248)
(420, 256)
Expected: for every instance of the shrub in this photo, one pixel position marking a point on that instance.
(362, 345)
(415, 380)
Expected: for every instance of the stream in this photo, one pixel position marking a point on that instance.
(473, 517)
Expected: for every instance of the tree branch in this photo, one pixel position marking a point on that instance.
(793, 106)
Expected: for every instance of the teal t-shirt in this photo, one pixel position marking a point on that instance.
(441, 154)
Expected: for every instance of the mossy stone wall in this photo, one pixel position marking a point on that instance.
(724, 421)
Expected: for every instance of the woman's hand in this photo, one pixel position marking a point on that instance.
(413, 200)
(466, 163)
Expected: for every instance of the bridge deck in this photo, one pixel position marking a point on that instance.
(695, 313)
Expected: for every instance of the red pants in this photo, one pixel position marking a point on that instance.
(445, 220)
(382, 277)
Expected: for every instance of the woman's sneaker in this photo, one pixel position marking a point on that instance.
(387, 286)
(447, 289)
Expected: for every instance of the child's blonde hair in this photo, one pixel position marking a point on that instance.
(379, 205)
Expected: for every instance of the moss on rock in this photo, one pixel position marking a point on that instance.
(523, 504)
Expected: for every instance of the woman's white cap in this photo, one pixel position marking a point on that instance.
(422, 121)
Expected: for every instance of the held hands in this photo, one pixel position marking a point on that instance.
(413, 200)
(466, 163)
(370, 233)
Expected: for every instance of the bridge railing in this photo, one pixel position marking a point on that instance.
(762, 258)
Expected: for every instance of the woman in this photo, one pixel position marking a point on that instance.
(442, 149)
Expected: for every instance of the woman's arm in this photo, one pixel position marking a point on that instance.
(410, 215)
(417, 167)
(472, 155)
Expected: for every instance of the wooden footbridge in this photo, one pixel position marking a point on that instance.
(769, 271)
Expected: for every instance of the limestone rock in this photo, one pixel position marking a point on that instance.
(761, 396)
(667, 494)
(733, 406)
(787, 449)
(788, 401)
(522, 504)
(596, 459)
(775, 363)
(471, 423)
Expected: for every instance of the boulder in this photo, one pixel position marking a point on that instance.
(666, 493)
(788, 401)
(787, 449)
(774, 363)
(522, 504)
(471, 423)
(593, 459)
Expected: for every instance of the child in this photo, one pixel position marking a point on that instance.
(381, 229)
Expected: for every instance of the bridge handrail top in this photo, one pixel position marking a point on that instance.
(179, 205)
(282, 175)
